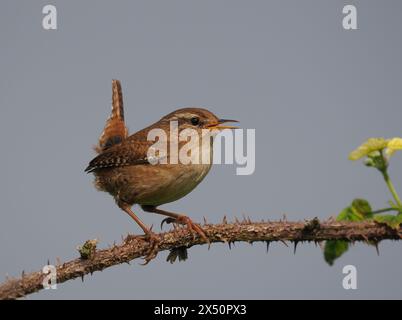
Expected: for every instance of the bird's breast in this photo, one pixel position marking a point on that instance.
(151, 184)
(148, 184)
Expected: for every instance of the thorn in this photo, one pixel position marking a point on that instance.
(205, 220)
(284, 242)
(268, 244)
(48, 262)
(82, 277)
(377, 248)
(295, 247)
(236, 220)
(22, 274)
(230, 245)
(224, 221)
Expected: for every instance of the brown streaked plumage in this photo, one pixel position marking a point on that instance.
(122, 168)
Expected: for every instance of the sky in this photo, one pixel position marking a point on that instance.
(312, 90)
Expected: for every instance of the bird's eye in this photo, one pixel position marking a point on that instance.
(195, 121)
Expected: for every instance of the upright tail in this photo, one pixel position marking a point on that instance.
(115, 130)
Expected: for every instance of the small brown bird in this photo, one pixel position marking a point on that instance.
(123, 169)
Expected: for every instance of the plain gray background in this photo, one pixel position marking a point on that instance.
(312, 91)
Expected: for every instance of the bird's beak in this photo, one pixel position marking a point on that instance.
(218, 125)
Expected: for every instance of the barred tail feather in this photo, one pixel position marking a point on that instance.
(115, 130)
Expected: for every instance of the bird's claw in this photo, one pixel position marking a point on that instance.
(194, 228)
(168, 221)
(154, 245)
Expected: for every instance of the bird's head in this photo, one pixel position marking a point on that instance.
(198, 119)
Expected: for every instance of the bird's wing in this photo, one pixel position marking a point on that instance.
(115, 130)
(125, 154)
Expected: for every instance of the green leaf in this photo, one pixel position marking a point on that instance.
(359, 210)
(393, 221)
(348, 214)
(334, 249)
(362, 207)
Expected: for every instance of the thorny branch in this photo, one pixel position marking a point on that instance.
(176, 241)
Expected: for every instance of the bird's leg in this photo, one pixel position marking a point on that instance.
(152, 237)
(178, 218)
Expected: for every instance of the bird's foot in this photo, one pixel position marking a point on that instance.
(194, 228)
(154, 241)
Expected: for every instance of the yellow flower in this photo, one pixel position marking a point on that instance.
(370, 146)
(394, 145)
